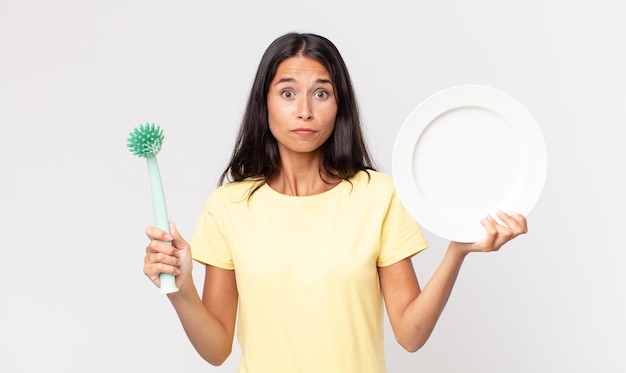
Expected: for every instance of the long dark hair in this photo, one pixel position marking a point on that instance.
(256, 150)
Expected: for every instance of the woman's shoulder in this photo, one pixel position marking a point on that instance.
(373, 179)
(236, 191)
(373, 176)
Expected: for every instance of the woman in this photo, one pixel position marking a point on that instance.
(306, 238)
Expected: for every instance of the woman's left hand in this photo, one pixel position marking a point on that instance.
(497, 234)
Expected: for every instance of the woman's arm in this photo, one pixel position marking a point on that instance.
(210, 322)
(412, 312)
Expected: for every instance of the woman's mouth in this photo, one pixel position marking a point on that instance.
(303, 131)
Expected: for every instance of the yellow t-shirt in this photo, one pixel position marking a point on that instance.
(306, 270)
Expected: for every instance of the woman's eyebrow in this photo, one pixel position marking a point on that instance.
(290, 80)
(285, 80)
(324, 81)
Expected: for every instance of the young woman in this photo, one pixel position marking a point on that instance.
(304, 239)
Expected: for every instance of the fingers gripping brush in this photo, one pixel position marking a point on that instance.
(145, 141)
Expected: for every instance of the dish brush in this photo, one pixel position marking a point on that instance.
(145, 142)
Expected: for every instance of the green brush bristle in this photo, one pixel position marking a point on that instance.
(146, 140)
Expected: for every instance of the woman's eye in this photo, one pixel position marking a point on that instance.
(321, 94)
(287, 94)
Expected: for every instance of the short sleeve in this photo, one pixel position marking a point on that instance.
(401, 236)
(208, 245)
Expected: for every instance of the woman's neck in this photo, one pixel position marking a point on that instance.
(302, 176)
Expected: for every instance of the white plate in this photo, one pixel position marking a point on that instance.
(464, 153)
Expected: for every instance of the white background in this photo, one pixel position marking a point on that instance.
(76, 77)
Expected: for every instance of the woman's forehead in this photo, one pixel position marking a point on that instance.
(300, 66)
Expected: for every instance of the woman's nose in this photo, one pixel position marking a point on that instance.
(305, 110)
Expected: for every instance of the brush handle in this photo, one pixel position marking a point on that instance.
(168, 281)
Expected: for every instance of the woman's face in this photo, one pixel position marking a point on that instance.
(301, 105)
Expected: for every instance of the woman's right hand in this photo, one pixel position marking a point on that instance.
(161, 257)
